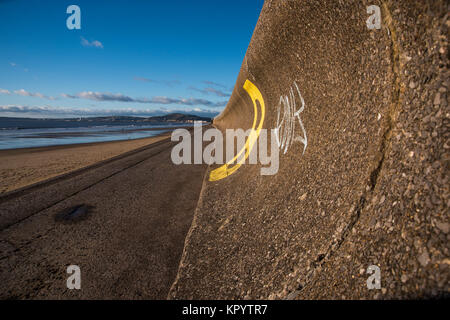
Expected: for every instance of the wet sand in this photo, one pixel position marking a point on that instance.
(51, 135)
(23, 167)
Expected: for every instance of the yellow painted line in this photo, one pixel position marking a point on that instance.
(230, 167)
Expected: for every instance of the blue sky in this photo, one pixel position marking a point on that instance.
(129, 57)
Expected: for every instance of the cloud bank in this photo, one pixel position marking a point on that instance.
(211, 90)
(57, 112)
(107, 96)
(212, 83)
(118, 97)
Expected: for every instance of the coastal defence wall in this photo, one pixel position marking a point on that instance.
(364, 184)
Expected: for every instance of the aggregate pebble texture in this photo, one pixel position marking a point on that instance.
(372, 186)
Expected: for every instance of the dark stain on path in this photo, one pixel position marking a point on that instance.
(74, 214)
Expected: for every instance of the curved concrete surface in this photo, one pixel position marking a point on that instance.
(371, 187)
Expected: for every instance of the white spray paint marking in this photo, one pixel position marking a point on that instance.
(285, 130)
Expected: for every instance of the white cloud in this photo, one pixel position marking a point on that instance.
(23, 92)
(94, 43)
(4, 91)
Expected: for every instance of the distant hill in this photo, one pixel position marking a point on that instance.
(39, 123)
(178, 117)
(172, 117)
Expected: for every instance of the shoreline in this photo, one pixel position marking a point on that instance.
(82, 134)
(22, 167)
(69, 145)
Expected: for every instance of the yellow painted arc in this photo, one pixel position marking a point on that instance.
(230, 167)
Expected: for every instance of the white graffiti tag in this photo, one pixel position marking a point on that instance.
(285, 130)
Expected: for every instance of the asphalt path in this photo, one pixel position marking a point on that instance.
(122, 221)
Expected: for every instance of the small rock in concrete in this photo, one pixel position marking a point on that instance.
(404, 278)
(424, 258)
(437, 99)
(443, 226)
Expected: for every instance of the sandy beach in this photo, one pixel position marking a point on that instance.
(22, 167)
